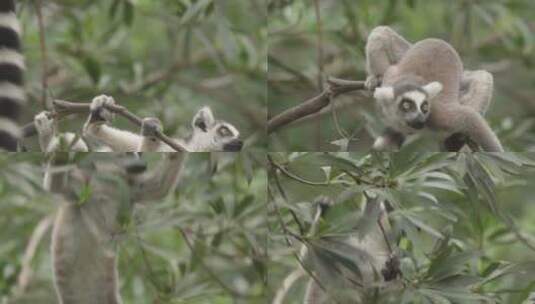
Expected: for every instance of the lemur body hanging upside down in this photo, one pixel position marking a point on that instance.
(208, 134)
(422, 86)
(84, 246)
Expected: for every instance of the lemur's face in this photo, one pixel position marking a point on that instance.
(212, 135)
(44, 123)
(411, 103)
(414, 107)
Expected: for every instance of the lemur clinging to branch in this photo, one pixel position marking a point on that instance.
(208, 134)
(423, 86)
(52, 141)
(371, 255)
(84, 245)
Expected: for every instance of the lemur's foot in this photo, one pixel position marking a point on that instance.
(372, 82)
(150, 126)
(98, 112)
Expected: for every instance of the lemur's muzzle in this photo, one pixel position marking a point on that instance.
(233, 146)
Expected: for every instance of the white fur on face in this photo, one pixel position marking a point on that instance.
(211, 140)
(416, 96)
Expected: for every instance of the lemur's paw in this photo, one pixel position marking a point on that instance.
(98, 112)
(43, 121)
(150, 126)
(372, 82)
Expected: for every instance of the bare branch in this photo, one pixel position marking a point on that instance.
(66, 108)
(334, 88)
(44, 57)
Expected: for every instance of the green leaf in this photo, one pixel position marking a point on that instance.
(92, 67)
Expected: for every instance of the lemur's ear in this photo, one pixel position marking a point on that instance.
(384, 93)
(203, 120)
(432, 89)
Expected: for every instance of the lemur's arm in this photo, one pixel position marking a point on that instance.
(158, 182)
(96, 127)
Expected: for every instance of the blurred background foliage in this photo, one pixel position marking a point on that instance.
(219, 203)
(157, 58)
(463, 224)
(495, 35)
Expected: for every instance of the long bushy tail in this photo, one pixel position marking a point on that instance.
(12, 97)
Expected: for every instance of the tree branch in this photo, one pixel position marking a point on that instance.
(66, 108)
(334, 88)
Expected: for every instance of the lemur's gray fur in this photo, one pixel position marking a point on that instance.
(208, 134)
(84, 240)
(371, 255)
(423, 86)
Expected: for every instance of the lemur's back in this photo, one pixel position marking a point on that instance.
(85, 270)
(84, 252)
(432, 60)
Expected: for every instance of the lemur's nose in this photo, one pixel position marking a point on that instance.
(233, 146)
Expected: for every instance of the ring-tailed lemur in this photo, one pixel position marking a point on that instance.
(423, 86)
(208, 134)
(372, 256)
(84, 243)
(12, 96)
(52, 141)
(83, 248)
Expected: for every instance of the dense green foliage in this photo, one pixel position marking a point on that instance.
(462, 224)
(495, 35)
(157, 58)
(219, 204)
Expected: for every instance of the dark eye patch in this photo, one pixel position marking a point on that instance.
(224, 131)
(406, 105)
(424, 107)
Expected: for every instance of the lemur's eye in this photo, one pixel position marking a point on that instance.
(224, 131)
(424, 107)
(406, 105)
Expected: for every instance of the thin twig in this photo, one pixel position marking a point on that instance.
(295, 177)
(65, 108)
(44, 57)
(334, 88)
(319, 47)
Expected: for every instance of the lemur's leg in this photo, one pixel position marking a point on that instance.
(465, 120)
(476, 90)
(155, 184)
(454, 142)
(384, 48)
(96, 127)
(389, 141)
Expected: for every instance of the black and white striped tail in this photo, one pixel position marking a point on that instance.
(12, 97)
